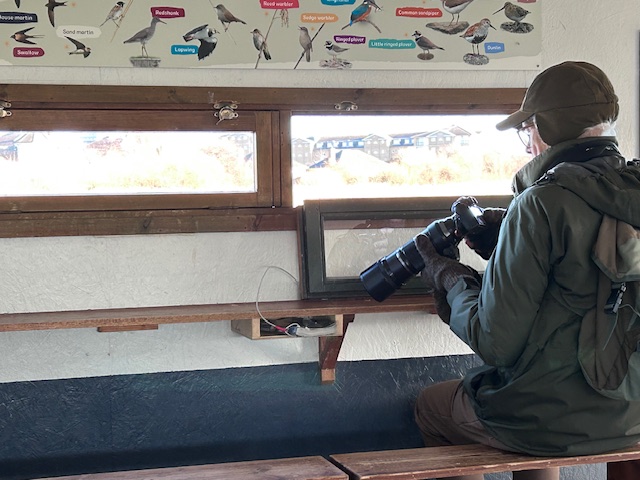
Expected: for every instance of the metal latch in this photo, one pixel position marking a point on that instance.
(346, 106)
(226, 110)
(3, 109)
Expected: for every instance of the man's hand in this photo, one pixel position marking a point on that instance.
(440, 274)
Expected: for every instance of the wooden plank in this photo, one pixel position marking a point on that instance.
(119, 317)
(450, 461)
(14, 225)
(26, 96)
(303, 468)
(127, 328)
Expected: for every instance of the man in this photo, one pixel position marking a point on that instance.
(523, 318)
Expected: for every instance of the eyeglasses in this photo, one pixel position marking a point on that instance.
(524, 132)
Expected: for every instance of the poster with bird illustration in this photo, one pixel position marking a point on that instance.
(274, 34)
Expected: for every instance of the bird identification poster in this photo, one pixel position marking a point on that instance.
(274, 34)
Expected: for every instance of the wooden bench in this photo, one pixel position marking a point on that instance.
(303, 468)
(442, 462)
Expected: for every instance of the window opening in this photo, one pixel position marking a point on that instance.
(126, 162)
(402, 156)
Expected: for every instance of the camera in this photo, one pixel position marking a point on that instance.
(391, 272)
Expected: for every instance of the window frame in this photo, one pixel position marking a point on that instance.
(272, 109)
(399, 212)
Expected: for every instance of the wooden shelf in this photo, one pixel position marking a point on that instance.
(128, 318)
(148, 318)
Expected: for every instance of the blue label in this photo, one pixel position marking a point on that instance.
(493, 47)
(184, 50)
(338, 2)
(18, 17)
(391, 43)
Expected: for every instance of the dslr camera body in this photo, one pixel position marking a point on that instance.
(390, 273)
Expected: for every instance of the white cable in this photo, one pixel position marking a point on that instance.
(294, 329)
(264, 274)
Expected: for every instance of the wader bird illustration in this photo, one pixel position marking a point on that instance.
(424, 43)
(333, 49)
(144, 35)
(207, 38)
(514, 12)
(477, 33)
(454, 7)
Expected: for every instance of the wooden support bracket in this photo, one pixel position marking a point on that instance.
(329, 348)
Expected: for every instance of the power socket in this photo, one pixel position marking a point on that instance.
(313, 332)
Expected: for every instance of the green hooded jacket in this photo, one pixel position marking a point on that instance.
(525, 321)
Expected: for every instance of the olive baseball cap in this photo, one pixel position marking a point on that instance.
(565, 99)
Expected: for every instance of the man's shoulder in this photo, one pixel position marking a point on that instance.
(547, 200)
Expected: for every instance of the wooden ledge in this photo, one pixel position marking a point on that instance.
(302, 468)
(125, 318)
(451, 461)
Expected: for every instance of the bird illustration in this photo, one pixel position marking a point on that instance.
(81, 48)
(144, 35)
(454, 7)
(333, 49)
(514, 12)
(424, 43)
(226, 17)
(260, 44)
(362, 12)
(477, 33)
(115, 14)
(284, 17)
(208, 40)
(23, 37)
(51, 5)
(306, 43)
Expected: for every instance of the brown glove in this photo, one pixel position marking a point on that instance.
(484, 242)
(440, 274)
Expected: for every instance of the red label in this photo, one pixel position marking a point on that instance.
(167, 12)
(418, 12)
(23, 52)
(279, 3)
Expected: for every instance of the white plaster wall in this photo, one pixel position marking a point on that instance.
(102, 272)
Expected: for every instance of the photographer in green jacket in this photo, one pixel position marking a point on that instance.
(523, 319)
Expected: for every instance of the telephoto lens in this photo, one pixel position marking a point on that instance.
(390, 273)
